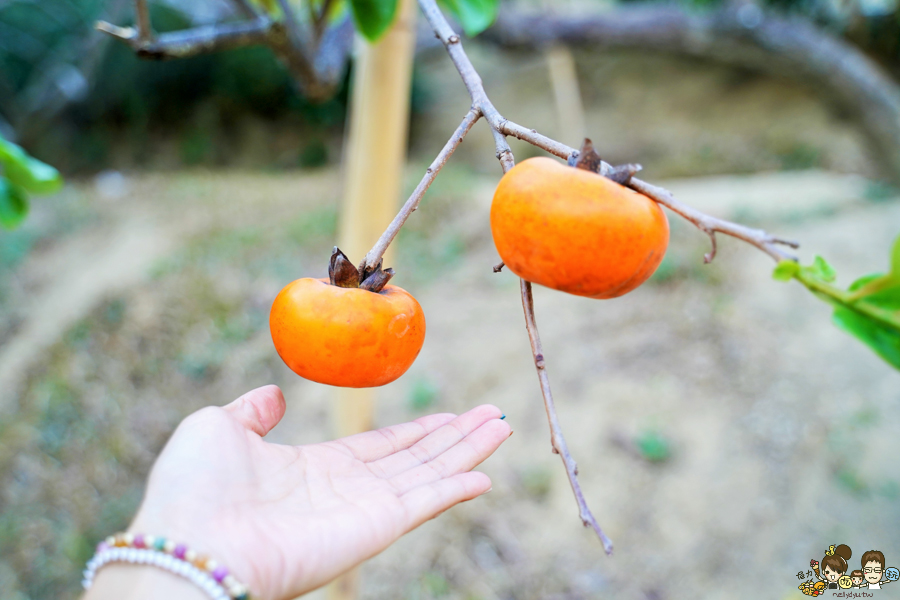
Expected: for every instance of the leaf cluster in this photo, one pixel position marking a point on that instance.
(22, 174)
(374, 17)
(869, 309)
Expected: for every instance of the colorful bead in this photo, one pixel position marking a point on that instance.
(180, 549)
(199, 561)
(220, 573)
(159, 544)
(139, 541)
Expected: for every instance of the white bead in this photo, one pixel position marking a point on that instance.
(190, 556)
(128, 538)
(169, 547)
(211, 565)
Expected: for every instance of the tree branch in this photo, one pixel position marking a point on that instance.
(557, 441)
(374, 255)
(317, 71)
(192, 42)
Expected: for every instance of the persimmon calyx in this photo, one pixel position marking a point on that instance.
(587, 159)
(342, 273)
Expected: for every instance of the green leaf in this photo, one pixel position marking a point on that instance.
(21, 169)
(822, 270)
(373, 17)
(881, 338)
(13, 204)
(474, 15)
(895, 258)
(785, 270)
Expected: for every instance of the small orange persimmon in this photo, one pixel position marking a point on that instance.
(576, 231)
(337, 333)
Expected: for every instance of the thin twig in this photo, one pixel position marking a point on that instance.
(191, 42)
(711, 225)
(142, 16)
(374, 255)
(557, 441)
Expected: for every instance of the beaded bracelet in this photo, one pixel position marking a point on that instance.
(206, 573)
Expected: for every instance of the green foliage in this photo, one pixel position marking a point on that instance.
(653, 446)
(13, 204)
(868, 310)
(373, 17)
(22, 174)
(474, 15)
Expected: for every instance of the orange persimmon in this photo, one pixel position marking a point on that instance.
(576, 231)
(346, 336)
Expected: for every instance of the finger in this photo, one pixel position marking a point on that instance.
(258, 410)
(372, 445)
(428, 501)
(435, 443)
(470, 452)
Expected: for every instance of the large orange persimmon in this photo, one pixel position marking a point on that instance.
(576, 231)
(344, 335)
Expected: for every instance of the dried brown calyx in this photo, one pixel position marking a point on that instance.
(588, 160)
(342, 273)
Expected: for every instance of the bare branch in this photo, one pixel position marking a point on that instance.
(374, 255)
(499, 266)
(142, 17)
(199, 40)
(557, 441)
(766, 242)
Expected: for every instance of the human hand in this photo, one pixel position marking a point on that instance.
(287, 519)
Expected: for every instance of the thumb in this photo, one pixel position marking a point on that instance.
(258, 410)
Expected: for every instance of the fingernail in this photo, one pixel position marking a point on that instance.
(489, 489)
(503, 417)
(510, 432)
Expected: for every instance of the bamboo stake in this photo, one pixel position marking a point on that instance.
(567, 93)
(375, 156)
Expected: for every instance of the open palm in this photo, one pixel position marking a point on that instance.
(288, 519)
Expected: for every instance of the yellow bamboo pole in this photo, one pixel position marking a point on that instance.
(567, 94)
(373, 169)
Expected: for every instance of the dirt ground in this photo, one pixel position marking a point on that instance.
(725, 430)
